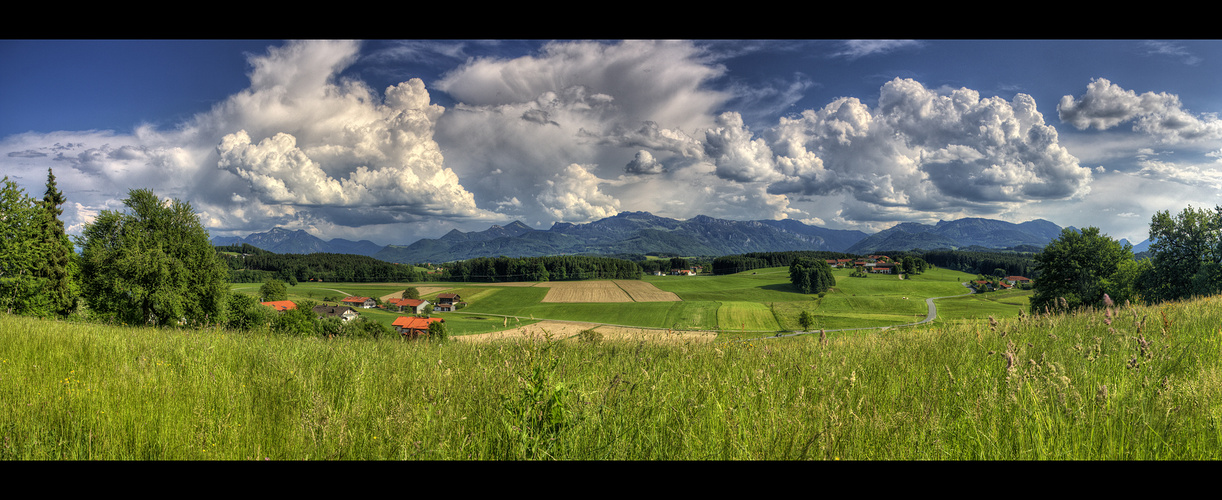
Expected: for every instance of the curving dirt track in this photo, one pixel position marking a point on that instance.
(569, 329)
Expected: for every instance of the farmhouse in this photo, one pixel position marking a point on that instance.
(881, 268)
(446, 302)
(280, 305)
(342, 312)
(415, 306)
(355, 301)
(414, 327)
(1017, 280)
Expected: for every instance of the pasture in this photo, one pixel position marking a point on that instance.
(749, 303)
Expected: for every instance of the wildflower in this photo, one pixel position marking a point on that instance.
(1107, 301)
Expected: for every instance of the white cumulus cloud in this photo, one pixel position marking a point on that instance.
(928, 151)
(574, 196)
(1161, 115)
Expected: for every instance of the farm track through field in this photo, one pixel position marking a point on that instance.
(930, 316)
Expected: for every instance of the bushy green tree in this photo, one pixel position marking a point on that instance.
(1079, 267)
(410, 293)
(152, 264)
(273, 289)
(367, 328)
(21, 252)
(678, 263)
(1187, 254)
(246, 313)
(331, 326)
(811, 275)
(298, 321)
(806, 319)
(438, 332)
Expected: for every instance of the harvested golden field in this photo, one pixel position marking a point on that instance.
(641, 291)
(558, 330)
(606, 291)
(511, 283)
(584, 291)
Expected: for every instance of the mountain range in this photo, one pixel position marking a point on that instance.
(644, 233)
(959, 233)
(281, 240)
(625, 233)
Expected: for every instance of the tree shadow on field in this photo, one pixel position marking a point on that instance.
(781, 287)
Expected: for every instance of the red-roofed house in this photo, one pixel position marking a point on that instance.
(882, 268)
(354, 301)
(280, 305)
(416, 306)
(1017, 280)
(414, 327)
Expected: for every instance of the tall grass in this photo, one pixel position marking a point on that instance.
(1126, 383)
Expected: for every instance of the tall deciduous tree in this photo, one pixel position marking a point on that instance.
(57, 266)
(1080, 267)
(153, 264)
(1187, 254)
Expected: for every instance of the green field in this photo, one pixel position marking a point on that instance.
(757, 301)
(1134, 383)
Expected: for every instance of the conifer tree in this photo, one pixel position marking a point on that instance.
(57, 265)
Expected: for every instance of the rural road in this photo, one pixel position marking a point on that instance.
(932, 315)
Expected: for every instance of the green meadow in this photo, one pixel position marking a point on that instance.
(1129, 383)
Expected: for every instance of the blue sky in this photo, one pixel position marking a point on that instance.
(394, 141)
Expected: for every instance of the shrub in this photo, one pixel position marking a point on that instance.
(590, 337)
(437, 332)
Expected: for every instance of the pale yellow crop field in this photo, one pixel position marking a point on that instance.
(641, 291)
(584, 291)
(606, 291)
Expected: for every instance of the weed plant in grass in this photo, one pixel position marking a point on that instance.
(1119, 383)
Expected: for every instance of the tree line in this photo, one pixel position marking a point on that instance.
(150, 263)
(974, 262)
(731, 264)
(555, 268)
(256, 267)
(38, 267)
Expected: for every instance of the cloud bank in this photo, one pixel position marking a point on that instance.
(582, 130)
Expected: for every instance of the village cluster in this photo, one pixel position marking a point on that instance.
(408, 326)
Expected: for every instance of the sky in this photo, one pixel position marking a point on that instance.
(397, 140)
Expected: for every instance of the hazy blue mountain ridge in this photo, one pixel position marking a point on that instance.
(645, 233)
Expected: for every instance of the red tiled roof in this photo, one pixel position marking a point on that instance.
(355, 299)
(280, 305)
(406, 302)
(414, 323)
